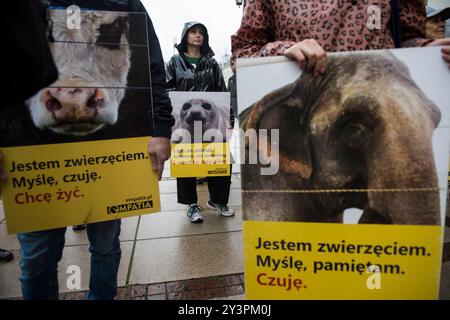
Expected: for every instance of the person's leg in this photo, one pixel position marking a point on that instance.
(105, 259)
(187, 190)
(219, 189)
(187, 194)
(40, 253)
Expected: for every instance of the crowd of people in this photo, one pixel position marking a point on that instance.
(304, 31)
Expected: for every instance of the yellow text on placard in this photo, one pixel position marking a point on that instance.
(200, 160)
(58, 185)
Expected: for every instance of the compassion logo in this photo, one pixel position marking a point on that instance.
(129, 207)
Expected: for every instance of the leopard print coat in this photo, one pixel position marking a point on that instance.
(269, 27)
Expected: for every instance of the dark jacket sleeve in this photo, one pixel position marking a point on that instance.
(221, 86)
(218, 78)
(162, 108)
(171, 75)
(27, 63)
(233, 98)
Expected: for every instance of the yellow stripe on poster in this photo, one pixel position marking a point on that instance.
(59, 185)
(292, 260)
(200, 160)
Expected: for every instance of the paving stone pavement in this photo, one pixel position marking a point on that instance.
(193, 289)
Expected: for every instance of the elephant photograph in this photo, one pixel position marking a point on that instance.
(358, 137)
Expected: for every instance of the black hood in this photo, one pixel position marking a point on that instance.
(205, 49)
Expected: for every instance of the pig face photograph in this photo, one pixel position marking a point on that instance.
(360, 136)
(103, 89)
(200, 116)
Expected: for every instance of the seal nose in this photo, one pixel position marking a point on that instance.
(195, 114)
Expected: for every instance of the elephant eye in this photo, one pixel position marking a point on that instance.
(206, 106)
(186, 106)
(353, 134)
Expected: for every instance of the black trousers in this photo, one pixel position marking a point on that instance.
(219, 189)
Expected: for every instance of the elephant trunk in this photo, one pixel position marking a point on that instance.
(402, 161)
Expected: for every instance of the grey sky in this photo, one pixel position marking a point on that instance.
(221, 17)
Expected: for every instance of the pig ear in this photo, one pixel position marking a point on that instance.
(283, 110)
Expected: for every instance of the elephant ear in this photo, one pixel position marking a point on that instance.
(284, 110)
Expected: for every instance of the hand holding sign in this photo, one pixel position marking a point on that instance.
(310, 55)
(159, 151)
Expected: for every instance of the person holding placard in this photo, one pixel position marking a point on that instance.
(194, 69)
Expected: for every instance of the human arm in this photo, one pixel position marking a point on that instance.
(159, 145)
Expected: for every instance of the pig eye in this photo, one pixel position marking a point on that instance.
(206, 106)
(111, 34)
(186, 106)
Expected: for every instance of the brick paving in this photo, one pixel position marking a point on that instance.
(192, 289)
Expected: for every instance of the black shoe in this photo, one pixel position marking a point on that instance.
(79, 227)
(6, 255)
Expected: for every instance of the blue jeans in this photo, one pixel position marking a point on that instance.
(41, 251)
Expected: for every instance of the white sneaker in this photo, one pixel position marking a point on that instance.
(194, 214)
(223, 210)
